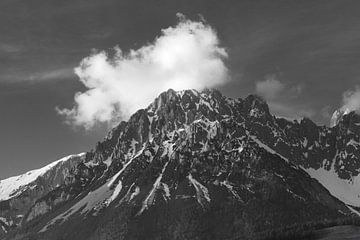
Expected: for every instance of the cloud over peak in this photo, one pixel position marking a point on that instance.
(351, 100)
(186, 56)
(279, 96)
(270, 87)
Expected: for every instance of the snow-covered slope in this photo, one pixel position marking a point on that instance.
(19, 193)
(348, 191)
(13, 186)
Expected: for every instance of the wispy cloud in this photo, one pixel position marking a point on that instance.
(185, 56)
(279, 96)
(9, 48)
(325, 112)
(270, 87)
(40, 76)
(55, 74)
(351, 100)
(282, 109)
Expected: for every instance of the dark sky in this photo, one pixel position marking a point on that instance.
(311, 46)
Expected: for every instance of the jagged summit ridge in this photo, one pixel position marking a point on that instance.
(304, 143)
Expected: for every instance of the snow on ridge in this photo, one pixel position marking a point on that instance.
(9, 186)
(230, 188)
(201, 190)
(4, 224)
(151, 197)
(268, 149)
(97, 199)
(353, 210)
(347, 191)
(337, 116)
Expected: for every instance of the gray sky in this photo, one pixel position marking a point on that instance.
(306, 53)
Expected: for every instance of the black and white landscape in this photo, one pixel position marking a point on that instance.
(209, 133)
(193, 165)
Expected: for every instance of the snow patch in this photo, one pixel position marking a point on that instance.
(166, 190)
(95, 200)
(231, 189)
(295, 195)
(201, 191)
(116, 192)
(267, 148)
(11, 187)
(108, 161)
(347, 191)
(149, 200)
(353, 210)
(135, 193)
(354, 143)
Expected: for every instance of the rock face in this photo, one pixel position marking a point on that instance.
(337, 116)
(198, 165)
(331, 155)
(19, 193)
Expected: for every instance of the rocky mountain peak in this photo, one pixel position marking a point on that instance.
(256, 105)
(191, 158)
(338, 115)
(350, 120)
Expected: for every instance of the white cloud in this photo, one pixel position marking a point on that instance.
(55, 74)
(351, 100)
(280, 97)
(269, 88)
(10, 48)
(187, 56)
(325, 112)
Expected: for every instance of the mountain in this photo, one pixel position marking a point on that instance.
(199, 165)
(331, 155)
(337, 116)
(19, 193)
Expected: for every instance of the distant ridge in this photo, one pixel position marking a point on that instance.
(19, 193)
